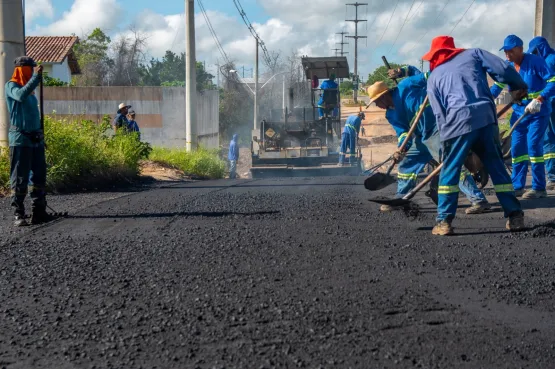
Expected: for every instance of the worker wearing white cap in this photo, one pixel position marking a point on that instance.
(120, 121)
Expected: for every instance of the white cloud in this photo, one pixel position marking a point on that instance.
(35, 9)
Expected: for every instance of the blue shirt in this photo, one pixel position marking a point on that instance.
(408, 97)
(23, 110)
(120, 121)
(233, 153)
(352, 125)
(540, 81)
(459, 93)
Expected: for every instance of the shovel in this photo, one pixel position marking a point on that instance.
(377, 181)
(405, 201)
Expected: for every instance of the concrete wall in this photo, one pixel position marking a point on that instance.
(160, 111)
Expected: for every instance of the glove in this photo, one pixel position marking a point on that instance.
(396, 73)
(519, 95)
(533, 107)
(398, 155)
(409, 144)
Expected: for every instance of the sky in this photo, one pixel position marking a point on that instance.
(399, 29)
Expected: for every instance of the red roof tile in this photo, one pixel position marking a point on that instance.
(52, 49)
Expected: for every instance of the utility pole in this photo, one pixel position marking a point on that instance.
(422, 65)
(256, 89)
(336, 51)
(342, 42)
(544, 20)
(12, 45)
(356, 21)
(218, 73)
(191, 79)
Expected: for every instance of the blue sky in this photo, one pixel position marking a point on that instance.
(399, 29)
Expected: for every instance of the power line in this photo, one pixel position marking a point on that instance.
(387, 26)
(467, 9)
(435, 20)
(212, 31)
(403, 26)
(249, 25)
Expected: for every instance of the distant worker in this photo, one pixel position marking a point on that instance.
(363, 131)
(26, 140)
(466, 118)
(133, 126)
(120, 121)
(540, 46)
(329, 98)
(402, 104)
(528, 137)
(349, 137)
(233, 156)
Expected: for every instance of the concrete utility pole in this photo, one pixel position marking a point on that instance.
(356, 21)
(545, 20)
(342, 42)
(336, 51)
(191, 79)
(256, 89)
(12, 45)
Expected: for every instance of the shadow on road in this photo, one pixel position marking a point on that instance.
(180, 187)
(212, 214)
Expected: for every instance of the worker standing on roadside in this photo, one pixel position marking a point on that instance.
(329, 96)
(466, 118)
(233, 156)
(539, 46)
(528, 137)
(402, 104)
(349, 137)
(26, 139)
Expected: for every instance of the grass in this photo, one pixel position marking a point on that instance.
(201, 163)
(352, 103)
(83, 155)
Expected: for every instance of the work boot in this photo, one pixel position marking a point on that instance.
(443, 228)
(388, 208)
(478, 208)
(550, 186)
(519, 193)
(20, 221)
(40, 216)
(534, 194)
(516, 222)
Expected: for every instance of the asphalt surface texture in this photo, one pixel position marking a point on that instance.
(274, 273)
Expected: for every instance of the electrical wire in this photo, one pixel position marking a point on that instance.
(435, 20)
(402, 26)
(249, 25)
(213, 32)
(387, 26)
(467, 9)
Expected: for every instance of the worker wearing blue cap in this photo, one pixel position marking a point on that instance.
(528, 137)
(539, 46)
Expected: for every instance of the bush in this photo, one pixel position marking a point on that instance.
(80, 155)
(200, 163)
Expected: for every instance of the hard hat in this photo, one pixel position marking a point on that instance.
(377, 90)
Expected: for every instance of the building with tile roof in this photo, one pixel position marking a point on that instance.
(56, 55)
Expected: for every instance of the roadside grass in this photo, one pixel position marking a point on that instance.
(202, 163)
(84, 155)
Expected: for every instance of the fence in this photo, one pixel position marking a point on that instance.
(160, 111)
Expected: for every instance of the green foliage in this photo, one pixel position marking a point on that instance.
(380, 74)
(51, 81)
(200, 163)
(346, 88)
(92, 56)
(170, 71)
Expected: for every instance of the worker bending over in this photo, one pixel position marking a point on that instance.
(349, 137)
(467, 120)
(539, 46)
(402, 104)
(528, 137)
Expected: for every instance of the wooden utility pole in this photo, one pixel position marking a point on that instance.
(356, 21)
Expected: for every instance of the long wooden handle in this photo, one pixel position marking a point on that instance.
(388, 68)
(421, 185)
(41, 103)
(414, 124)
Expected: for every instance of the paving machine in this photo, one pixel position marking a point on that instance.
(297, 141)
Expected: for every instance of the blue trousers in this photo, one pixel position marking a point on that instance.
(27, 163)
(321, 110)
(419, 154)
(549, 149)
(348, 141)
(485, 143)
(527, 147)
(232, 169)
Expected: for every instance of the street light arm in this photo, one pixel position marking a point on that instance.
(246, 84)
(272, 77)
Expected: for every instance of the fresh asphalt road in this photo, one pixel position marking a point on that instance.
(274, 273)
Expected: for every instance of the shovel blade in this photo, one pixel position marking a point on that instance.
(377, 181)
(391, 202)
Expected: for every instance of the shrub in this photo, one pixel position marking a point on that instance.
(200, 163)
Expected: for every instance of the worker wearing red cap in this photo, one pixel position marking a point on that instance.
(467, 120)
(528, 137)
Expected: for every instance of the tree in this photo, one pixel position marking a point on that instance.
(52, 81)
(126, 55)
(380, 74)
(92, 56)
(346, 88)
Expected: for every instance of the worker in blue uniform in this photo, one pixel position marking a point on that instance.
(402, 104)
(528, 137)
(329, 97)
(539, 46)
(467, 120)
(349, 137)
